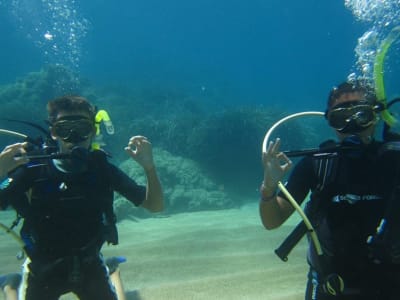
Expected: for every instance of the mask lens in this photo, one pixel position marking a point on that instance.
(364, 117)
(68, 128)
(338, 117)
(84, 128)
(360, 115)
(61, 130)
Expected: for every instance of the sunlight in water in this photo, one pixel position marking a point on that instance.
(55, 26)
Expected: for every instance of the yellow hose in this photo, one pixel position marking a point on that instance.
(306, 221)
(379, 73)
(296, 206)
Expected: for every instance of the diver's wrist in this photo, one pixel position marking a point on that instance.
(267, 192)
(149, 168)
(267, 186)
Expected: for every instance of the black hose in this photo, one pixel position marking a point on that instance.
(291, 241)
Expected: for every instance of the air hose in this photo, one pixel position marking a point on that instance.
(379, 74)
(292, 201)
(332, 284)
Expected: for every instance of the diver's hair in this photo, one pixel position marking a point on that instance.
(353, 86)
(69, 104)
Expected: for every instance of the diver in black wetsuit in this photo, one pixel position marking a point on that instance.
(351, 191)
(66, 205)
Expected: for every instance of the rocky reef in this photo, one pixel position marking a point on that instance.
(186, 186)
(36, 88)
(207, 154)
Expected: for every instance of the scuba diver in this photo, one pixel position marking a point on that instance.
(65, 199)
(102, 116)
(353, 183)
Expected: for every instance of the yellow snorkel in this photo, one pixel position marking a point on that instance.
(102, 116)
(379, 72)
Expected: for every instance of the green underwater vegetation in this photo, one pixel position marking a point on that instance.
(208, 155)
(186, 186)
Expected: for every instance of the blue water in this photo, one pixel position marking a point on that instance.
(280, 54)
(263, 52)
(285, 54)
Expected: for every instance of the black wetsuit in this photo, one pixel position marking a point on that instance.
(345, 212)
(67, 219)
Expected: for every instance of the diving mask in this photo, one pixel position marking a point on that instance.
(73, 129)
(352, 117)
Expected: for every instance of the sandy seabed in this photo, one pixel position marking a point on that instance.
(224, 254)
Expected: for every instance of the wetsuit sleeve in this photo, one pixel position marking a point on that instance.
(126, 186)
(301, 180)
(13, 188)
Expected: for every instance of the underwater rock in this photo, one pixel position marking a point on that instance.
(186, 187)
(29, 94)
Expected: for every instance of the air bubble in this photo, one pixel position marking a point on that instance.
(383, 15)
(45, 20)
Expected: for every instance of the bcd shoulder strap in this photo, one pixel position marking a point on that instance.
(325, 165)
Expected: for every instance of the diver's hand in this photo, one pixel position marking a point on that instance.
(139, 148)
(11, 157)
(276, 164)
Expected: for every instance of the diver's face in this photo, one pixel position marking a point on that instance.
(350, 114)
(73, 129)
